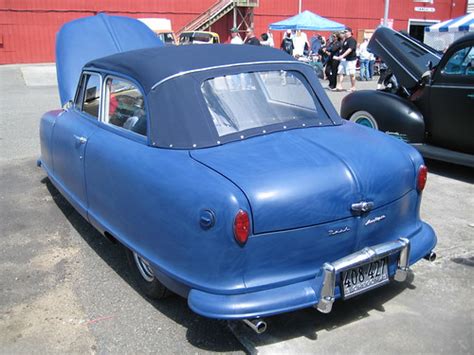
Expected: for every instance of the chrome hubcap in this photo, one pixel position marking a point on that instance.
(144, 268)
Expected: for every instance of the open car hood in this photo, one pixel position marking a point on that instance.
(88, 38)
(407, 57)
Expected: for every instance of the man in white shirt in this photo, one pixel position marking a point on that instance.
(299, 41)
(235, 36)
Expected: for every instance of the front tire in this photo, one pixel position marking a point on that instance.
(364, 118)
(145, 276)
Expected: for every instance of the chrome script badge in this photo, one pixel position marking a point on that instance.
(338, 231)
(375, 220)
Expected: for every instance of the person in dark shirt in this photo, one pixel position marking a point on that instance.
(251, 38)
(332, 50)
(348, 59)
(287, 43)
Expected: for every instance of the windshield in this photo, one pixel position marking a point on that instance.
(253, 100)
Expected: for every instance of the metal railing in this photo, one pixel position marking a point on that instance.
(216, 12)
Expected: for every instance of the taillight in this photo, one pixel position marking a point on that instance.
(241, 227)
(421, 179)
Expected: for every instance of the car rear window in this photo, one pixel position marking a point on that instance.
(259, 99)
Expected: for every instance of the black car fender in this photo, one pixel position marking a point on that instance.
(392, 114)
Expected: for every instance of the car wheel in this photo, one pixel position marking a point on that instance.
(365, 119)
(145, 277)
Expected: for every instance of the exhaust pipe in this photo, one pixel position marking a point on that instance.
(257, 325)
(431, 256)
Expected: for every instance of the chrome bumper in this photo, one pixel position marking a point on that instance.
(361, 257)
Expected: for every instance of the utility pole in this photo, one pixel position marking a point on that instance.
(385, 12)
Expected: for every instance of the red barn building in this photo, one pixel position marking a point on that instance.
(28, 27)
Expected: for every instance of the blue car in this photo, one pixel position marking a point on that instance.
(227, 174)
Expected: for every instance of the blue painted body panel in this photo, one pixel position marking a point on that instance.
(322, 170)
(290, 297)
(150, 199)
(154, 208)
(296, 185)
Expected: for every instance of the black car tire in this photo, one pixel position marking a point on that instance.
(145, 278)
(364, 118)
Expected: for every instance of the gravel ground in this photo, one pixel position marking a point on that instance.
(64, 288)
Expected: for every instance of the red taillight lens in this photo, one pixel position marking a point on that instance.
(241, 227)
(422, 176)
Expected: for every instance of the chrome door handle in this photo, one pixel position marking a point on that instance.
(471, 96)
(80, 140)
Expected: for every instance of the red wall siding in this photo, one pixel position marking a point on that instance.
(28, 27)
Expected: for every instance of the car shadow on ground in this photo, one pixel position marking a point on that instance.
(214, 335)
(204, 333)
(309, 322)
(451, 171)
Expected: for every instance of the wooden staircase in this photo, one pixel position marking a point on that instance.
(215, 13)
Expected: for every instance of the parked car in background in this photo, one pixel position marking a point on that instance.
(433, 106)
(162, 28)
(167, 37)
(246, 193)
(198, 37)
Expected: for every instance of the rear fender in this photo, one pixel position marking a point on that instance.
(394, 115)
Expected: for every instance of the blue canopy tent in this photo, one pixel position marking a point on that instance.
(460, 24)
(307, 21)
(441, 35)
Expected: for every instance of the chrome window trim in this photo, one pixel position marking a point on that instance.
(186, 72)
(450, 75)
(105, 112)
(459, 86)
(86, 72)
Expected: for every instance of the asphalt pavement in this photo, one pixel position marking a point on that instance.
(64, 288)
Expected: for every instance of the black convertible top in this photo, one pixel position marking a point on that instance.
(151, 65)
(179, 116)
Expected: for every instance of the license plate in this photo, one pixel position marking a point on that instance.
(365, 277)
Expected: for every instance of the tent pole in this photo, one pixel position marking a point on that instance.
(299, 6)
(385, 12)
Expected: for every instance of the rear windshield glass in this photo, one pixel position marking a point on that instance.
(253, 100)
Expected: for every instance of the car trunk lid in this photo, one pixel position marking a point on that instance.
(311, 176)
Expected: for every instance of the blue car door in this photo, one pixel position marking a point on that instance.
(70, 137)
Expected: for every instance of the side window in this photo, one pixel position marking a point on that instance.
(125, 106)
(460, 63)
(88, 100)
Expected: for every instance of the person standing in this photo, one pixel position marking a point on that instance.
(235, 36)
(287, 43)
(300, 41)
(364, 58)
(332, 50)
(266, 40)
(348, 59)
(315, 44)
(371, 65)
(251, 38)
